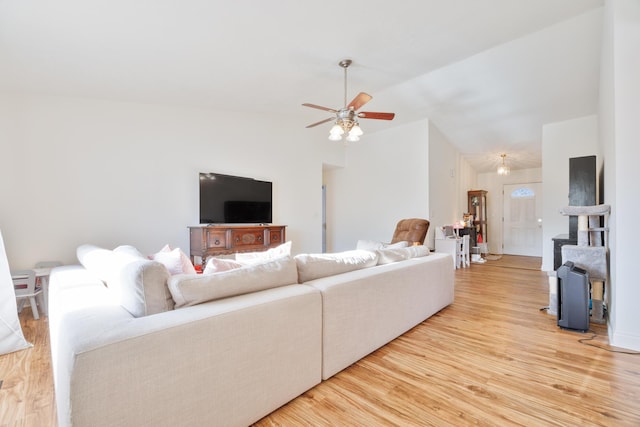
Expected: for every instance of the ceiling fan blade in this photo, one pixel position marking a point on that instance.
(319, 107)
(321, 122)
(379, 116)
(360, 99)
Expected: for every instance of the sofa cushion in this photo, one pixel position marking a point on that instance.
(139, 284)
(389, 255)
(279, 251)
(315, 266)
(190, 290)
(372, 245)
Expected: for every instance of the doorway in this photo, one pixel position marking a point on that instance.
(324, 219)
(522, 219)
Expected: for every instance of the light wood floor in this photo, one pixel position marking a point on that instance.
(491, 358)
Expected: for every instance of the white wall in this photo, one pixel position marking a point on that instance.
(77, 170)
(620, 107)
(494, 184)
(386, 179)
(560, 142)
(449, 180)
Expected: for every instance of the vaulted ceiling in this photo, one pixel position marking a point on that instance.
(487, 73)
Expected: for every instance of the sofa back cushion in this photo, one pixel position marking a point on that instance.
(315, 266)
(279, 251)
(139, 284)
(190, 290)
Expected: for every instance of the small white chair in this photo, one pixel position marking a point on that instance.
(463, 258)
(24, 284)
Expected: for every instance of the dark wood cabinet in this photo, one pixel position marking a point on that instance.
(212, 240)
(473, 236)
(477, 205)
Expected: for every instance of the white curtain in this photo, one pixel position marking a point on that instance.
(11, 337)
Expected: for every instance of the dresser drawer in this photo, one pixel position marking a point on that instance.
(246, 237)
(216, 239)
(275, 236)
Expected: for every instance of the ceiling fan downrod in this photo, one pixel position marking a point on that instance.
(345, 64)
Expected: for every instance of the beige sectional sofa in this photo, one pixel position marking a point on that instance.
(365, 309)
(256, 339)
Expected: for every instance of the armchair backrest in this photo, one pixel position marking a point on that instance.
(411, 230)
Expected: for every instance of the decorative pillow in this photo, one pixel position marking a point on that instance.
(98, 260)
(129, 250)
(247, 258)
(218, 265)
(176, 261)
(314, 266)
(192, 290)
(389, 255)
(372, 245)
(139, 284)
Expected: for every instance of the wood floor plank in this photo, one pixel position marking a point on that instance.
(492, 358)
(27, 396)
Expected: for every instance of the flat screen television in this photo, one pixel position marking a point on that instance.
(228, 199)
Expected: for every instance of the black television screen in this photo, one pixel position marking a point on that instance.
(234, 200)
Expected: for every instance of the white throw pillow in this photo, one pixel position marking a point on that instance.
(176, 261)
(247, 258)
(315, 266)
(401, 244)
(372, 245)
(139, 284)
(389, 255)
(129, 250)
(192, 290)
(218, 265)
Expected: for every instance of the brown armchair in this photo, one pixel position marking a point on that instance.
(411, 230)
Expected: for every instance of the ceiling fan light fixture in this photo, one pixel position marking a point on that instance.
(503, 169)
(356, 131)
(346, 119)
(336, 132)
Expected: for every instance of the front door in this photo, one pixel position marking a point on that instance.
(522, 220)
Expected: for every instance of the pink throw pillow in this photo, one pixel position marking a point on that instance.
(176, 261)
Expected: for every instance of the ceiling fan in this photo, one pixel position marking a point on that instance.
(346, 118)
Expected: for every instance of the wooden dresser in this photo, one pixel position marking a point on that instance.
(212, 240)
